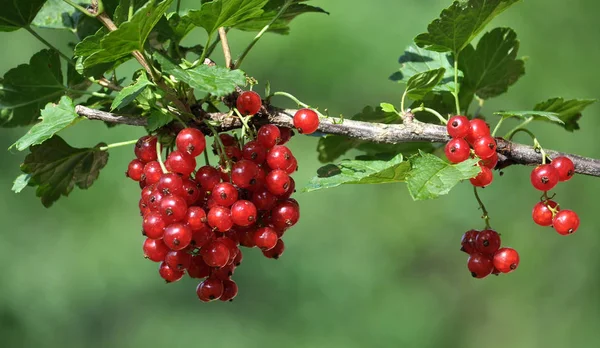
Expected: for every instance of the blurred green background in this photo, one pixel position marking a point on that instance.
(366, 266)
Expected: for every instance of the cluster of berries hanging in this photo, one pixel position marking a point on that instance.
(485, 255)
(195, 221)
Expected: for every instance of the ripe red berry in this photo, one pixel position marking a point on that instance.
(177, 236)
(145, 149)
(191, 141)
(135, 170)
(484, 178)
(170, 184)
(279, 157)
(179, 260)
(224, 194)
(219, 218)
(153, 225)
(243, 213)
(276, 252)
(215, 254)
(155, 249)
(244, 173)
(485, 147)
(506, 260)
(265, 238)
(169, 274)
(227, 139)
(173, 208)
(152, 173)
(468, 241)
(490, 162)
(230, 290)
(232, 153)
(542, 215)
(154, 200)
(198, 268)
(566, 222)
(565, 168)
(487, 242)
(144, 208)
(286, 135)
(457, 150)
(248, 103)
(254, 151)
(477, 129)
(268, 135)
(458, 126)
(263, 199)
(210, 289)
(278, 182)
(208, 177)
(180, 163)
(191, 191)
(306, 121)
(480, 265)
(201, 237)
(544, 177)
(196, 218)
(285, 214)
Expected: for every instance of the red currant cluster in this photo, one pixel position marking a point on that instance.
(485, 255)
(196, 220)
(473, 133)
(547, 212)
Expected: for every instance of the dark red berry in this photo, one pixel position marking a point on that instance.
(477, 129)
(457, 150)
(565, 168)
(230, 290)
(278, 182)
(485, 147)
(480, 265)
(210, 289)
(177, 236)
(542, 215)
(191, 141)
(254, 151)
(306, 121)
(458, 126)
(191, 192)
(145, 149)
(180, 163)
(468, 241)
(244, 173)
(155, 249)
(484, 178)
(268, 135)
(544, 177)
(285, 214)
(248, 103)
(169, 274)
(487, 242)
(198, 268)
(207, 177)
(179, 260)
(201, 237)
(215, 254)
(170, 184)
(506, 260)
(291, 189)
(263, 199)
(173, 208)
(152, 173)
(196, 218)
(153, 225)
(243, 213)
(265, 238)
(238, 259)
(490, 162)
(224, 194)
(228, 139)
(219, 218)
(286, 135)
(566, 222)
(135, 170)
(276, 252)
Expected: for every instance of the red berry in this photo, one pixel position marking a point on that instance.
(191, 141)
(144, 208)
(244, 173)
(154, 200)
(169, 274)
(215, 254)
(457, 150)
(145, 149)
(477, 129)
(147, 192)
(285, 214)
(135, 170)
(565, 168)
(490, 162)
(290, 191)
(191, 192)
(276, 252)
(487, 242)
(286, 135)
(542, 215)
(254, 151)
(268, 135)
(248, 103)
(219, 218)
(243, 213)
(306, 121)
(180, 163)
(152, 173)
(177, 236)
(170, 184)
(179, 260)
(238, 259)
(232, 153)
(224, 194)
(506, 260)
(196, 218)
(208, 177)
(201, 237)
(468, 241)
(210, 289)
(279, 157)
(265, 238)
(484, 147)
(227, 139)
(153, 225)
(173, 208)
(246, 238)
(198, 268)
(566, 222)
(544, 177)
(458, 126)
(263, 199)
(278, 182)
(484, 178)
(155, 249)
(230, 290)
(480, 265)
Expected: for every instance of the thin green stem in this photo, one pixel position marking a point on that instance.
(206, 159)
(433, 112)
(123, 143)
(245, 127)
(402, 102)
(498, 126)
(205, 50)
(159, 157)
(485, 216)
(297, 101)
(457, 88)
(221, 147)
(95, 94)
(80, 8)
(52, 47)
(536, 144)
(480, 103)
(512, 132)
(131, 10)
(178, 7)
(242, 56)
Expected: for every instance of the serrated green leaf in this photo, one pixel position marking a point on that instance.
(569, 111)
(216, 80)
(180, 26)
(129, 93)
(361, 172)
(541, 115)
(492, 67)
(56, 168)
(416, 60)
(431, 177)
(420, 84)
(21, 182)
(460, 23)
(158, 119)
(55, 14)
(18, 14)
(121, 14)
(55, 117)
(29, 87)
(226, 13)
(281, 25)
(387, 107)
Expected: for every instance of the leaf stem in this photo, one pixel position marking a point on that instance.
(205, 52)
(52, 47)
(402, 102)
(242, 56)
(95, 94)
(206, 159)
(178, 6)
(456, 86)
(159, 157)
(431, 111)
(131, 8)
(485, 216)
(123, 143)
(80, 8)
(498, 126)
(512, 132)
(225, 45)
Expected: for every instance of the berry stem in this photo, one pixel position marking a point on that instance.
(159, 158)
(178, 6)
(49, 45)
(521, 125)
(206, 159)
(536, 144)
(245, 127)
(221, 147)
(113, 145)
(456, 86)
(431, 111)
(403, 99)
(485, 216)
(131, 10)
(498, 126)
(297, 101)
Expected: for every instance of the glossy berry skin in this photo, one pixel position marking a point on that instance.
(152, 173)
(276, 252)
(480, 265)
(210, 289)
(153, 225)
(228, 139)
(285, 215)
(484, 147)
(170, 184)
(254, 151)
(219, 218)
(198, 268)
(458, 126)
(173, 208)
(506, 260)
(477, 129)
(155, 249)
(277, 182)
(179, 260)
(244, 173)
(248, 103)
(243, 213)
(177, 236)
(191, 141)
(263, 199)
(565, 168)
(286, 135)
(224, 194)
(457, 150)
(169, 274)
(487, 242)
(490, 162)
(196, 218)
(230, 290)
(145, 149)
(279, 157)
(544, 177)
(135, 170)
(233, 153)
(191, 191)
(265, 238)
(542, 215)
(306, 121)
(468, 241)
(201, 237)
(215, 254)
(484, 178)
(180, 163)
(268, 135)
(207, 177)
(566, 222)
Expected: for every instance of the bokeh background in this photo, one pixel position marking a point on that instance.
(366, 266)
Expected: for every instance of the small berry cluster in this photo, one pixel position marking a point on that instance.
(547, 212)
(472, 137)
(195, 221)
(485, 254)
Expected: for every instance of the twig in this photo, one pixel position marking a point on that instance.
(225, 44)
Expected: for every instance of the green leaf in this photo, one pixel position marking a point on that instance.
(226, 13)
(387, 107)
(17, 14)
(360, 172)
(541, 115)
(21, 182)
(158, 119)
(569, 111)
(431, 177)
(416, 60)
(29, 87)
(216, 80)
(493, 67)
(55, 14)
(129, 93)
(180, 26)
(281, 25)
(460, 23)
(54, 119)
(56, 168)
(420, 84)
